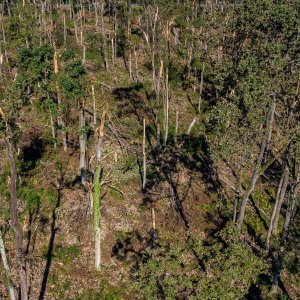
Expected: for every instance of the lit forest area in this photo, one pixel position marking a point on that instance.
(149, 149)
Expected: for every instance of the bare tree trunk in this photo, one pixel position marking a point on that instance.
(278, 202)
(94, 107)
(195, 120)
(59, 118)
(130, 65)
(154, 233)
(103, 38)
(61, 122)
(284, 238)
(82, 144)
(176, 126)
(136, 65)
(4, 39)
(112, 51)
(152, 47)
(75, 27)
(6, 269)
(97, 196)
(167, 108)
(53, 129)
(255, 174)
(96, 13)
(144, 154)
(14, 214)
(83, 54)
(201, 86)
(159, 78)
(65, 29)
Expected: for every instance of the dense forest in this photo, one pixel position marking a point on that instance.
(149, 149)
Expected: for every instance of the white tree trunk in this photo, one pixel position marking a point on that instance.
(6, 269)
(97, 248)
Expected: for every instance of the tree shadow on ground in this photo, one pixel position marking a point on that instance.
(53, 232)
(132, 247)
(192, 155)
(31, 154)
(130, 101)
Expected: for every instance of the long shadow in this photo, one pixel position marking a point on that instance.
(59, 188)
(33, 213)
(193, 153)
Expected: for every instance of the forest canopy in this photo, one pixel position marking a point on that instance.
(150, 149)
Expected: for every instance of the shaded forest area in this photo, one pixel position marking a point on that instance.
(149, 149)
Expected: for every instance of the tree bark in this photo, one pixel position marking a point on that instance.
(255, 174)
(14, 214)
(270, 230)
(97, 196)
(281, 198)
(284, 238)
(167, 108)
(278, 203)
(82, 144)
(201, 86)
(94, 107)
(144, 154)
(6, 269)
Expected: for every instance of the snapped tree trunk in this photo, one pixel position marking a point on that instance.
(97, 196)
(255, 175)
(14, 214)
(6, 269)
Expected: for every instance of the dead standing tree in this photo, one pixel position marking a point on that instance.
(6, 269)
(97, 195)
(16, 226)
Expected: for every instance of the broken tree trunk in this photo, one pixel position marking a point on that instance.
(97, 195)
(6, 269)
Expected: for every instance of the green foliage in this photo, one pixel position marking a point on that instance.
(34, 197)
(171, 269)
(68, 54)
(35, 67)
(67, 254)
(116, 194)
(128, 162)
(72, 81)
(164, 273)
(106, 291)
(231, 268)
